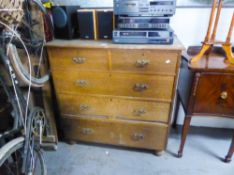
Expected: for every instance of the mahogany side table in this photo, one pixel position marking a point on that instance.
(211, 94)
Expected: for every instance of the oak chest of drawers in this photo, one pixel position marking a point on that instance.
(115, 94)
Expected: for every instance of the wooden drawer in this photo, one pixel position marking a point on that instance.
(80, 59)
(114, 107)
(134, 134)
(214, 94)
(145, 61)
(84, 105)
(141, 110)
(132, 85)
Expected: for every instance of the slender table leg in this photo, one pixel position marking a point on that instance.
(230, 153)
(186, 126)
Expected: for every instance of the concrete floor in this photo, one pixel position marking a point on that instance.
(203, 154)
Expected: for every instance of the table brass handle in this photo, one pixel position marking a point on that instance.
(140, 87)
(82, 83)
(87, 131)
(224, 95)
(139, 112)
(138, 136)
(79, 60)
(84, 107)
(142, 63)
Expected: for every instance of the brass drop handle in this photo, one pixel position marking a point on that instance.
(84, 107)
(87, 131)
(142, 63)
(140, 112)
(138, 137)
(79, 60)
(82, 83)
(224, 95)
(140, 87)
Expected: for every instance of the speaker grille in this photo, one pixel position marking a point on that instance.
(86, 24)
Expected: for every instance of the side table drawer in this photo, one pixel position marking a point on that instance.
(79, 59)
(134, 134)
(214, 94)
(146, 61)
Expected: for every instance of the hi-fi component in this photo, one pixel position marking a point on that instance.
(65, 22)
(145, 7)
(143, 22)
(143, 36)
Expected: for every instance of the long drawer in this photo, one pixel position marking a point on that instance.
(114, 107)
(144, 61)
(134, 134)
(131, 85)
(80, 59)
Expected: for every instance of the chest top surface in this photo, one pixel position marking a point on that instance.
(108, 44)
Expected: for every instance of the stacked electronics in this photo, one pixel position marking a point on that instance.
(74, 22)
(143, 21)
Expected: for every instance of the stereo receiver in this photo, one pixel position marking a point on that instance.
(143, 22)
(145, 7)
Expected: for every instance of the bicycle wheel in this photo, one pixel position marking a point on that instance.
(11, 159)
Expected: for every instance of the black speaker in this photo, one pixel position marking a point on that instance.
(105, 23)
(87, 23)
(65, 22)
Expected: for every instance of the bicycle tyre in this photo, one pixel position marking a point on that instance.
(11, 147)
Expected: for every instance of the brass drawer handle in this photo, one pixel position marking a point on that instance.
(84, 107)
(82, 83)
(142, 63)
(140, 112)
(87, 131)
(79, 60)
(140, 87)
(138, 137)
(224, 95)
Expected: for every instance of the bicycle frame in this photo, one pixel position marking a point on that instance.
(18, 126)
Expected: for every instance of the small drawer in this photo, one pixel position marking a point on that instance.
(142, 110)
(142, 86)
(70, 81)
(80, 59)
(131, 85)
(214, 94)
(147, 61)
(135, 134)
(85, 105)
